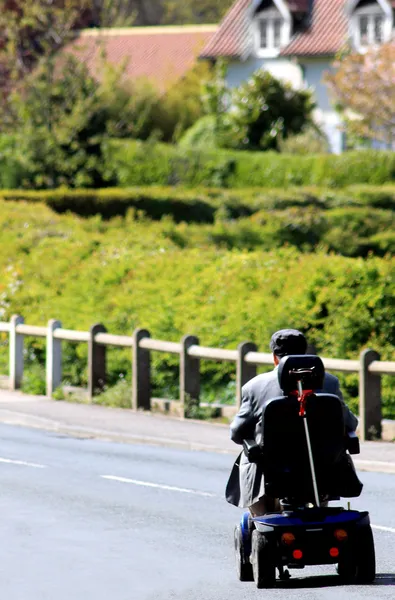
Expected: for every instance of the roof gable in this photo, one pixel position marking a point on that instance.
(324, 33)
(327, 33)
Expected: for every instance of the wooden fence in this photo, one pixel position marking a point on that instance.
(246, 358)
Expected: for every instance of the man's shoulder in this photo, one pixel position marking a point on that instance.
(260, 382)
(330, 380)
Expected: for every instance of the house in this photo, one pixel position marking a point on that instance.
(161, 54)
(297, 40)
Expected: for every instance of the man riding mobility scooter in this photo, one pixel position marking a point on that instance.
(304, 461)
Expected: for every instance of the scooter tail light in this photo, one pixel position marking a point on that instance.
(287, 539)
(341, 535)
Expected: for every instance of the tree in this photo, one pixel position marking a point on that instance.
(259, 113)
(61, 118)
(265, 110)
(189, 11)
(32, 29)
(124, 13)
(363, 87)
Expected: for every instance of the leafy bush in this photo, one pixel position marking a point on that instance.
(202, 134)
(309, 141)
(339, 221)
(129, 273)
(139, 164)
(257, 114)
(264, 110)
(60, 118)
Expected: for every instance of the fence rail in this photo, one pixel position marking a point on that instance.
(246, 358)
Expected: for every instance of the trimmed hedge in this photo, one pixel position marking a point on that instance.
(127, 274)
(134, 163)
(201, 205)
(308, 218)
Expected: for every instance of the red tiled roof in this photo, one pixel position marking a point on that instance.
(233, 36)
(161, 54)
(327, 33)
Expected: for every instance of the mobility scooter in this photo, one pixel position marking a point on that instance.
(304, 458)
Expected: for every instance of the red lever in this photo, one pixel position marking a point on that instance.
(302, 398)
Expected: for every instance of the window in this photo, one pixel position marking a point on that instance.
(270, 33)
(378, 33)
(369, 24)
(272, 30)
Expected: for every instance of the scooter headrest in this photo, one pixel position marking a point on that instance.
(309, 369)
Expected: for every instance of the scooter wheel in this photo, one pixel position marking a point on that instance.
(263, 563)
(243, 565)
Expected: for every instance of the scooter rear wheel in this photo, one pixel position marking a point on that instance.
(243, 565)
(358, 564)
(263, 563)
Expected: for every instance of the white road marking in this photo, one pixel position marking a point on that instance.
(375, 462)
(158, 486)
(22, 463)
(195, 492)
(381, 528)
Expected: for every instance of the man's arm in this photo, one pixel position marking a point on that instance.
(243, 425)
(350, 420)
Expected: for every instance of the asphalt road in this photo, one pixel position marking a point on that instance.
(90, 520)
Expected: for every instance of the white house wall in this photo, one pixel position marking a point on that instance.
(314, 72)
(281, 68)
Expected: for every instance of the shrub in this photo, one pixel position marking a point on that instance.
(309, 141)
(201, 135)
(127, 273)
(136, 163)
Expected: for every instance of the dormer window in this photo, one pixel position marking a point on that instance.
(370, 26)
(272, 32)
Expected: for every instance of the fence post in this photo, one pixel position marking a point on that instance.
(189, 376)
(141, 372)
(97, 375)
(53, 358)
(370, 413)
(16, 353)
(244, 371)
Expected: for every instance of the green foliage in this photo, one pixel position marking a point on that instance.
(61, 117)
(205, 11)
(32, 29)
(201, 135)
(182, 104)
(129, 273)
(264, 110)
(11, 170)
(123, 13)
(309, 141)
(138, 164)
(307, 218)
(258, 114)
(117, 396)
(59, 127)
(34, 380)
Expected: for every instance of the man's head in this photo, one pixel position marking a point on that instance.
(286, 342)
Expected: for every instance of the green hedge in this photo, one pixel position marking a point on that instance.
(354, 221)
(139, 163)
(128, 273)
(201, 205)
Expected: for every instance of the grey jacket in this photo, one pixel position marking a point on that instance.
(246, 485)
